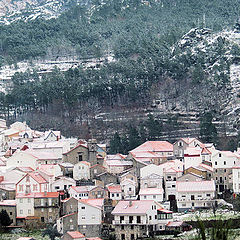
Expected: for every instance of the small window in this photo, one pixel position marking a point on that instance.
(29, 211)
(150, 217)
(83, 207)
(224, 162)
(220, 155)
(83, 217)
(10, 213)
(122, 227)
(215, 163)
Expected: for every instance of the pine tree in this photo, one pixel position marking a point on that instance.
(5, 220)
(208, 131)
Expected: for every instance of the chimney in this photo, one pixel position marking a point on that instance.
(130, 203)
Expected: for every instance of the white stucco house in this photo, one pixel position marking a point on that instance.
(81, 170)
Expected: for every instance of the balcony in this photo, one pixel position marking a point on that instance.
(127, 222)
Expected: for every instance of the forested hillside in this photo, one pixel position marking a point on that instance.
(145, 38)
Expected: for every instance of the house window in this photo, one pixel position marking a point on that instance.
(20, 188)
(71, 227)
(21, 200)
(130, 189)
(117, 194)
(80, 157)
(93, 216)
(29, 211)
(215, 163)
(42, 209)
(150, 217)
(83, 216)
(70, 220)
(34, 187)
(83, 207)
(208, 194)
(122, 236)
(10, 213)
(50, 209)
(21, 211)
(154, 196)
(29, 200)
(145, 197)
(224, 162)
(27, 178)
(132, 227)
(220, 155)
(42, 202)
(57, 187)
(50, 202)
(50, 219)
(122, 227)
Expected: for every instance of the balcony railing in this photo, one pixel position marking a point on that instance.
(127, 222)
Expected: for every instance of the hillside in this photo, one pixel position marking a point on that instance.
(120, 61)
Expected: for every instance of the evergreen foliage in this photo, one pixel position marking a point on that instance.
(208, 131)
(5, 220)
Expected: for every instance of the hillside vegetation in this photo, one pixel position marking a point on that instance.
(144, 38)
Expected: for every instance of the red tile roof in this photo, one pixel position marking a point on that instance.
(114, 189)
(37, 177)
(196, 186)
(139, 207)
(95, 202)
(154, 146)
(75, 234)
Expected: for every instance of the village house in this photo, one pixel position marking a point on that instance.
(117, 164)
(62, 183)
(171, 171)
(86, 192)
(107, 178)
(115, 192)
(190, 177)
(32, 182)
(73, 235)
(67, 223)
(223, 163)
(151, 181)
(52, 135)
(10, 207)
(129, 189)
(155, 194)
(195, 195)
(90, 216)
(137, 219)
(156, 152)
(81, 170)
(203, 170)
(192, 157)
(7, 193)
(182, 144)
(83, 152)
(128, 175)
(42, 205)
(96, 169)
(69, 205)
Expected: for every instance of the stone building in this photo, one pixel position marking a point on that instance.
(67, 223)
(69, 205)
(47, 207)
(83, 152)
(10, 207)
